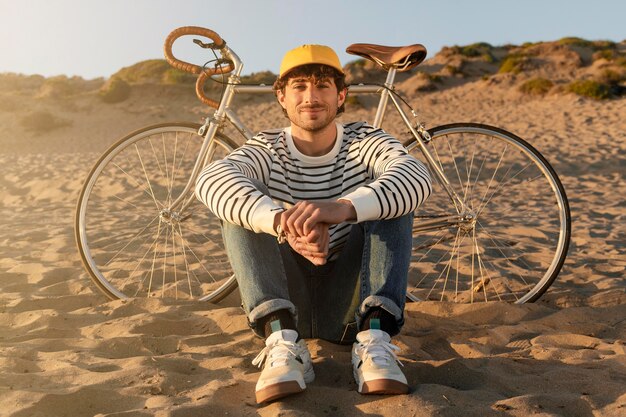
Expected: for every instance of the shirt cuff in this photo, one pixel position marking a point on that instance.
(262, 219)
(365, 204)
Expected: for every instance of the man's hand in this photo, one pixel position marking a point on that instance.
(306, 226)
(304, 216)
(314, 246)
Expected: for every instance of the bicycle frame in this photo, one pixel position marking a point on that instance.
(225, 113)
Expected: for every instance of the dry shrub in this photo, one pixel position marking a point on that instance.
(61, 87)
(176, 76)
(262, 77)
(150, 71)
(362, 71)
(612, 76)
(40, 121)
(514, 63)
(575, 41)
(590, 88)
(536, 86)
(353, 102)
(19, 82)
(115, 90)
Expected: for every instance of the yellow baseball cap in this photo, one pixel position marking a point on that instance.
(309, 54)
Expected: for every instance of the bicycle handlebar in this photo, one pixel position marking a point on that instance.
(222, 67)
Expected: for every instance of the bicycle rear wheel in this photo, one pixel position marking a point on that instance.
(131, 244)
(511, 242)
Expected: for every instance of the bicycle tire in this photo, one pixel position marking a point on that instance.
(514, 247)
(129, 243)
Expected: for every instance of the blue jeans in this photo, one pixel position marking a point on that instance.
(327, 301)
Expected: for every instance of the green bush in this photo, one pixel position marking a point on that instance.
(608, 54)
(115, 90)
(574, 41)
(527, 45)
(536, 86)
(590, 88)
(488, 57)
(600, 45)
(609, 76)
(475, 49)
(583, 43)
(513, 63)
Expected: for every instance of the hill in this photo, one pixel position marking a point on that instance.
(33, 107)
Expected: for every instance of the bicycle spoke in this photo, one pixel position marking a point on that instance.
(519, 257)
(147, 178)
(468, 192)
(131, 241)
(444, 270)
(125, 283)
(456, 168)
(480, 169)
(501, 186)
(492, 177)
(200, 262)
(154, 258)
(121, 268)
(167, 174)
(167, 234)
(437, 262)
(482, 285)
(176, 169)
(156, 157)
(145, 190)
(184, 253)
(175, 268)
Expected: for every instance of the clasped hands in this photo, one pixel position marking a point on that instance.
(306, 226)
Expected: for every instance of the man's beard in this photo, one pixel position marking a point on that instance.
(314, 125)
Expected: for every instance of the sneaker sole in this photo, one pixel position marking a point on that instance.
(276, 391)
(384, 386)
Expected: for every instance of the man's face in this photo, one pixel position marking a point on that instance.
(309, 105)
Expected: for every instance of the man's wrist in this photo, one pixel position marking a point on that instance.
(350, 210)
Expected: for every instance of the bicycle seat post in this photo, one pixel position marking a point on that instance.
(384, 97)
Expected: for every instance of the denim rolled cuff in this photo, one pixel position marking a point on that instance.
(383, 302)
(268, 307)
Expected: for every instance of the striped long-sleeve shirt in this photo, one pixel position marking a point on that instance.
(366, 166)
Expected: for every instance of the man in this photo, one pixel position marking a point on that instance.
(339, 198)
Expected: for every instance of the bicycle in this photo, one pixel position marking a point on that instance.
(496, 227)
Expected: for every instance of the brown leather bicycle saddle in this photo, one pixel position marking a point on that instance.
(402, 57)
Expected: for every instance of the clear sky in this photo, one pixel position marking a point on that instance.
(96, 38)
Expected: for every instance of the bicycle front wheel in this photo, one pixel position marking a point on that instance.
(129, 240)
(509, 238)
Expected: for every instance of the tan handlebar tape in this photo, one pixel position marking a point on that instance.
(204, 73)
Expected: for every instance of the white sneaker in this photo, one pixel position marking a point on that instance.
(288, 366)
(375, 364)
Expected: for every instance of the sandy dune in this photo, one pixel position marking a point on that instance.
(65, 350)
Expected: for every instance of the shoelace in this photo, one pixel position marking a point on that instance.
(281, 351)
(379, 350)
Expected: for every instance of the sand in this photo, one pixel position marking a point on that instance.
(66, 350)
